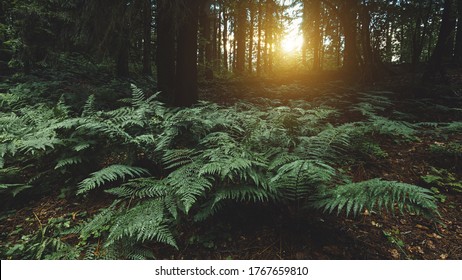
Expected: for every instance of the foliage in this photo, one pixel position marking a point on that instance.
(444, 179)
(199, 159)
(355, 197)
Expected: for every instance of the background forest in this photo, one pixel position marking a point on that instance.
(219, 129)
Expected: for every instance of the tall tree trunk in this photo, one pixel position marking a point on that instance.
(205, 42)
(186, 92)
(269, 36)
(316, 35)
(225, 39)
(147, 20)
(369, 68)
(458, 47)
(251, 34)
(436, 60)
(219, 40)
(240, 36)
(259, 49)
(165, 54)
(348, 16)
(123, 53)
(420, 31)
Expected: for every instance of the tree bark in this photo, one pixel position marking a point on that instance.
(316, 34)
(348, 14)
(458, 47)
(225, 39)
(241, 20)
(259, 27)
(186, 92)
(165, 54)
(436, 60)
(147, 20)
(251, 34)
(123, 53)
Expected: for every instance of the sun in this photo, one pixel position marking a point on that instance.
(292, 42)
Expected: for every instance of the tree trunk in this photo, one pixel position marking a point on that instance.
(269, 21)
(259, 50)
(123, 53)
(186, 93)
(316, 35)
(241, 19)
(436, 60)
(165, 54)
(350, 57)
(147, 20)
(458, 47)
(225, 39)
(251, 34)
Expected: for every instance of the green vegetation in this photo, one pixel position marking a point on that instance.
(167, 166)
(127, 127)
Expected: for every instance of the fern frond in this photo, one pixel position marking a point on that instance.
(13, 189)
(144, 222)
(68, 161)
(178, 157)
(109, 174)
(300, 179)
(99, 221)
(141, 188)
(243, 193)
(188, 185)
(89, 107)
(355, 197)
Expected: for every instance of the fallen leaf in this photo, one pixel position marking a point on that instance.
(376, 224)
(431, 245)
(421, 227)
(394, 253)
(436, 236)
(420, 250)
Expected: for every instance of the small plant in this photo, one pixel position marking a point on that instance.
(443, 178)
(44, 243)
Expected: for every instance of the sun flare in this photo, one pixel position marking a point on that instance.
(291, 43)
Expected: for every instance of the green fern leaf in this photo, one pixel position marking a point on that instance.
(355, 197)
(109, 174)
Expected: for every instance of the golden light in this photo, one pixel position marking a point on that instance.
(292, 42)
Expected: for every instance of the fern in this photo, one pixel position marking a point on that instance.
(68, 161)
(108, 174)
(355, 197)
(145, 221)
(13, 189)
(188, 185)
(300, 179)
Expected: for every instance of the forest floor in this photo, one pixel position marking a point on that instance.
(266, 232)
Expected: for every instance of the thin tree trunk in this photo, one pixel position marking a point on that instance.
(458, 47)
(240, 32)
(350, 56)
(122, 68)
(225, 39)
(259, 50)
(165, 54)
(436, 60)
(316, 36)
(251, 34)
(147, 20)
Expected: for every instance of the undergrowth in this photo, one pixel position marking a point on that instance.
(168, 166)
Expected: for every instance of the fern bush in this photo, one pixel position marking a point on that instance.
(201, 158)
